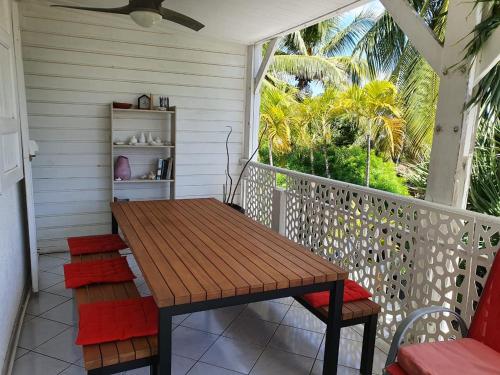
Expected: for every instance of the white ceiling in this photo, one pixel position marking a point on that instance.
(245, 21)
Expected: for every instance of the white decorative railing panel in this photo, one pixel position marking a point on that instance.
(409, 253)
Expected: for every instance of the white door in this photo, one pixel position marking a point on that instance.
(14, 156)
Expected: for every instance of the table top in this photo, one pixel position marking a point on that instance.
(194, 250)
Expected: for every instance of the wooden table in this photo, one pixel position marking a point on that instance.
(200, 254)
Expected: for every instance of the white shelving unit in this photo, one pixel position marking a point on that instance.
(143, 159)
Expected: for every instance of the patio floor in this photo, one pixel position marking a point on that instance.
(273, 337)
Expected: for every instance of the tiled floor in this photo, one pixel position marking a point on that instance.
(274, 337)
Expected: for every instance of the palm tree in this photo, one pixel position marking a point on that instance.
(375, 108)
(323, 52)
(276, 118)
(388, 52)
(315, 119)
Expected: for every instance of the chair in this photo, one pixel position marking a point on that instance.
(478, 352)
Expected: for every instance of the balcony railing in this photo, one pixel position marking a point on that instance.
(409, 253)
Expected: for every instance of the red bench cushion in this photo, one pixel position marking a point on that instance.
(463, 356)
(95, 244)
(395, 369)
(108, 321)
(352, 292)
(113, 270)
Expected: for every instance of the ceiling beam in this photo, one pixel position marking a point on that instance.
(488, 57)
(264, 65)
(420, 35)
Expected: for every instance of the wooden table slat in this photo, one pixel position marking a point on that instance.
(298, 250)
(283, 276)
(227, 286)
(192, 250)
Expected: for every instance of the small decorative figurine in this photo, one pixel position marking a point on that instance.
(144, 102)
(142, 138)
(158, 141)
(152, 176)
(133, 140)
(150, 139)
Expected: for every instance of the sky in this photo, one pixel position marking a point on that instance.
(374, 6)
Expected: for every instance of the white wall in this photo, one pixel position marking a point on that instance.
(75, 64)
(13, 255)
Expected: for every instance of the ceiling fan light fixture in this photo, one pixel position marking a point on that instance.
(145, 18)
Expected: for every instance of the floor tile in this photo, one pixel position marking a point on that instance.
(351, 334)
(61, 290)
(296, 340)
(213, 321)
(20, 352)
(266, 310)
(286, 301)
(178, 319)
(275, 361)
(191, 343)
(37, 364)
(74, 370)
(61, 255)
(64, 313)
(201, 368)
(341, 370)
(297, 305)
(42, 302)
(62, 346)
(232, 354)
(181, 365)
(46, 263)
(254, 331)
(38, 330)
(47, 279)
(301, 318)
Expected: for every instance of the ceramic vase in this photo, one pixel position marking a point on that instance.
(122, 168)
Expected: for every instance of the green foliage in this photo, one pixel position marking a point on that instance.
(345, 164)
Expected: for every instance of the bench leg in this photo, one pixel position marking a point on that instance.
(333, 324)
(368, 350)
(153, 369)
(164, 363)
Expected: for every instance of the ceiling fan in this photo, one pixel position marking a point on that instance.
(146, 13)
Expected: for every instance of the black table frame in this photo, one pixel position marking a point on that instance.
(163, 363)
(333, 327)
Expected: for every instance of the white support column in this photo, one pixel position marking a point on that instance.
(252, 101)
(266, 62)
(488, 57)
(420, 35)
(279, 211)
(454, 134)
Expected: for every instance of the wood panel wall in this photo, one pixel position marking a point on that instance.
(75, 64)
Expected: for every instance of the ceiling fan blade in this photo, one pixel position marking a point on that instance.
(121, 10)
(181, 19)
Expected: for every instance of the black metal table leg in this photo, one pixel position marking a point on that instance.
(369, 336)
(332, 340)
(114, 225)
(165, 343)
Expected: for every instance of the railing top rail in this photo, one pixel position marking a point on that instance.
(383, 194)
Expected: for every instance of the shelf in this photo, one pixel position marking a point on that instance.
(142, 146)
(139, 181)
(141, 110)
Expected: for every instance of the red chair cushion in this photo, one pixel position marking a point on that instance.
(95, 244)
(352, 292)
(463, 356)
(113, 270)
(395, 369)
(485, 326)
(102, 322)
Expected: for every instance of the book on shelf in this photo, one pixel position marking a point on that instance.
(166, 169)
(159, 169)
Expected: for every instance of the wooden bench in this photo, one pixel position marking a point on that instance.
(358, 312)
(114, 357)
